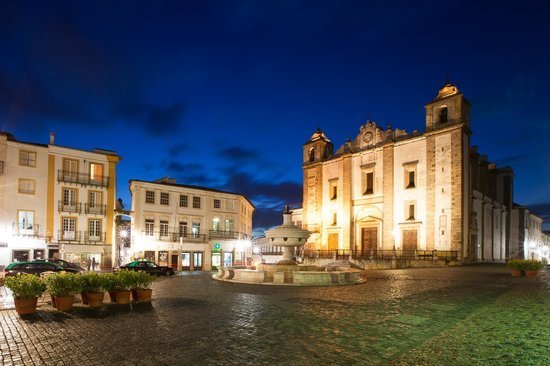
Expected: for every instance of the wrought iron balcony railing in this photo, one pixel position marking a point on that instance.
(95, 209)
(81, 237)
(225, 234)
(174, 237)
(72, 207)
(27, 230)
(81, 178)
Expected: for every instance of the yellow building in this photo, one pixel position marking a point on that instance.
(56, 201)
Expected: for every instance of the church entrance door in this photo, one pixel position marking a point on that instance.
(369, 241)
(410, 241)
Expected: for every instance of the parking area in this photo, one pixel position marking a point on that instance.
(396, 317)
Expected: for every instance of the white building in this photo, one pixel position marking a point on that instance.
(527, 239)
(56, 201)
(189, 227)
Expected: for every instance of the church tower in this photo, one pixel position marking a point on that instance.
(449, 107)
(315, 151)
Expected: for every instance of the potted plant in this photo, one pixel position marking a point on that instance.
(516, 266)
(109, 285)
(26, 288)
(124, 281)
(92, 288)
(532, 268)
(142, 286)
(63, 286)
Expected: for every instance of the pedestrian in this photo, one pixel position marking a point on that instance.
(93, 264)
(88, 263)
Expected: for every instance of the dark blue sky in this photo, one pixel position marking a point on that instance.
(224, 93)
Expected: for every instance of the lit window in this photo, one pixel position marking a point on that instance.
(183, 200)
(196, 229)
(69, 228)
(228, 225)
(96, 171)
(26, 222)
(26, 186)
(94, 230)
(149, 227)
(163, 228)
(150, 197)
(183, 229)
(217, 203)
(27, 158)
(216, 224)
(164, 198)
(196, 202)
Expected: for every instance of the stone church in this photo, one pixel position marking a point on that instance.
(409, 193)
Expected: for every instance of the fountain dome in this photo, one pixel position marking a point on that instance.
(287, 236)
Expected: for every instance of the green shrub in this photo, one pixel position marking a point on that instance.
(63, 284)
(125, 280)
(91, 282)
(531, 265)
(516, 264)
(109, 281)
(25, 286)
(524, 264)
(144, 280)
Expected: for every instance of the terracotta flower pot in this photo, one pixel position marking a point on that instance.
(95, 299)
(25, 306)
(84, 297)
(515, 272)
(122, 297)
(64, 303)
(144, 294)
(531, 273)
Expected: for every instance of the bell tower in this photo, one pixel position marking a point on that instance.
(449, 107)
(318, 148)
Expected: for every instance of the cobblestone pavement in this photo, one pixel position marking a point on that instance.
(194, 320)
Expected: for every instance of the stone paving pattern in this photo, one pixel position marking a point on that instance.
(194, 320)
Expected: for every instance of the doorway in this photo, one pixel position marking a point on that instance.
(197, 261)
(332, 242)
(369, 241)
(174, 262)
(185, 261)
(410, 241)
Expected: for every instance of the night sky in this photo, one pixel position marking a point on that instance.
(224, 93)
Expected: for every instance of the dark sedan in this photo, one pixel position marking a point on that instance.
(34, 267)
(62, 263)
(149, 267)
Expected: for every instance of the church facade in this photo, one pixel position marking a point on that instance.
(392, 191)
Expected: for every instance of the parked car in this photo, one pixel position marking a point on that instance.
(62, 263)
(149, 267)
(34, 267)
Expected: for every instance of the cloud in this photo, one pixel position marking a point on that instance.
(163, 120)
(177, 149)
(239, 154)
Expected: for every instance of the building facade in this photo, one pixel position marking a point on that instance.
(388, 190)
(57, 202)
(188, 227)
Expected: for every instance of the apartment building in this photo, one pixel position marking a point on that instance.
(56, 201)
(189, 227)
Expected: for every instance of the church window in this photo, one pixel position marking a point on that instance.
(311, 155)
(410, 209)
(334, 218)
(443, 114)
(333, 190)
(410, 179)
(368, 183)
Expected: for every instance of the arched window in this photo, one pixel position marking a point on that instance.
(311, 155)
(443, 114)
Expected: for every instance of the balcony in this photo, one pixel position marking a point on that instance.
(30, 231)
(174, 237)
(95, 209)
(219, 234)
(81, 237)
(71, 207)
(84, 179)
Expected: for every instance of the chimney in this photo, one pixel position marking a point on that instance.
(52, 138)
